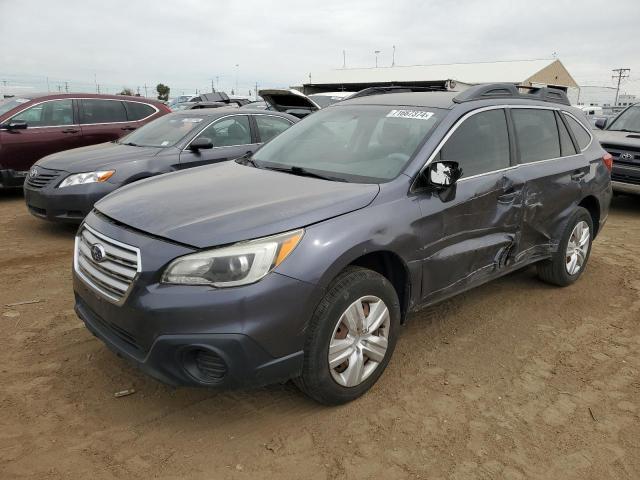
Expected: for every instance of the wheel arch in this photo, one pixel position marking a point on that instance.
(391, 266)
(592, 205)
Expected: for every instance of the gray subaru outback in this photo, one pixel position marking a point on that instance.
(303, 260)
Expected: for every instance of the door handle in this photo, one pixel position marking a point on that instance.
(128, 128)
(70, 130)
(578, 174)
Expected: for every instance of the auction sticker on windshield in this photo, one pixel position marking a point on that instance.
(191, 120)
(415, 114)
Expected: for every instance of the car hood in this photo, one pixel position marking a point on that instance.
(228, 202)
(622, 139)
(93, 157)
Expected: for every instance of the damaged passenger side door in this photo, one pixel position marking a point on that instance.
(554, 172)
(469, 231)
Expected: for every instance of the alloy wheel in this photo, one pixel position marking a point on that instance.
(577, 247)
(359, 341)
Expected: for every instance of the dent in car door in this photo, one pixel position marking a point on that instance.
(469, 235)
(51, 128)
(231, 136)
(553, 173)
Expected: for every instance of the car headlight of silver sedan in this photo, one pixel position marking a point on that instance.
(88, 177)
(238, 264)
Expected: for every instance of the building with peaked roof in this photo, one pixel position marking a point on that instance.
(453, 76)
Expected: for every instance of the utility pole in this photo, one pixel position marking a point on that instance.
(95, 80)
(138, 91)
(620, 74)
(237, 68)
(393, 57)
(376, 52)
(48, 90)
(145, 90)
(212, 89)
(66, 87)
(344, 59)
(256, 91)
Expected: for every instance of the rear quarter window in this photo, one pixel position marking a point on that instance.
(536, 134)
(138, 111)
(102, 111)
(583, 137)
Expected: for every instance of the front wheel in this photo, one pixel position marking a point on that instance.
(351, 337)
(568, 263)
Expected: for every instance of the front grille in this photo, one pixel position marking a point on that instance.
(42, 179)
(616, 152)
(618, 177)
(112, 271)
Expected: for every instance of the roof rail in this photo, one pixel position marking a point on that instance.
(383, 89)
(511, 90)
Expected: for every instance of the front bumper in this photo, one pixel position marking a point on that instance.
(622, 187)
(254, 335)
(68, 205)
(12, 178)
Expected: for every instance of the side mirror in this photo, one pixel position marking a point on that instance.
(443, 174)
(601, 123)
(201, 143)
(15, 125)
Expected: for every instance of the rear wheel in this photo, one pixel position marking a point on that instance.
(568, 263)
(351, 337)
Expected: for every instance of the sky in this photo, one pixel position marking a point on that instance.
(189, 44)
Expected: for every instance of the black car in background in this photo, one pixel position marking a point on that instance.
(64, 186)
(621, 138)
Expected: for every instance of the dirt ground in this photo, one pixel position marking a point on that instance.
(513, 380)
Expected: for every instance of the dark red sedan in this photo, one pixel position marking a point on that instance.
(33, 126)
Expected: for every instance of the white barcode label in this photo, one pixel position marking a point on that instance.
(415, 114)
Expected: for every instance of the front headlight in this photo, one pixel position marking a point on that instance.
(239, 264)
(89, 177)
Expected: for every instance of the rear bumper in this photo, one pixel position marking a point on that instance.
(12, 178)
(622, 187)
(68, 205)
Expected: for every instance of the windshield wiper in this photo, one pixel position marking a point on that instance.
(303, 172)
(247, 159)
(130, 144)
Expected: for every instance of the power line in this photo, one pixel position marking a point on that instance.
(621, 73)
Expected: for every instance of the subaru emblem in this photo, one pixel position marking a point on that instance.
(97, 253)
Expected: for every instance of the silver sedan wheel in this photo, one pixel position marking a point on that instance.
(577, 248)
(359, 341)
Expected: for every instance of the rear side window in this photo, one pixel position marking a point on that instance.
(480, 144)
(269, 126)
(102, 111)
(536, 133)
(566, 144)
(138, 111)
(48, 114)
(582, 136)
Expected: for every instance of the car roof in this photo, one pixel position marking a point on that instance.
(222, 111)
(413, 99)
(443, 100)
(53, 96)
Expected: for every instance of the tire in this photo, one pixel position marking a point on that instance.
(556, 270)
(354, 286)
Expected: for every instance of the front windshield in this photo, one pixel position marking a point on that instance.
(164, 132)
(629, 120)
(356, 143)
(11, 103)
